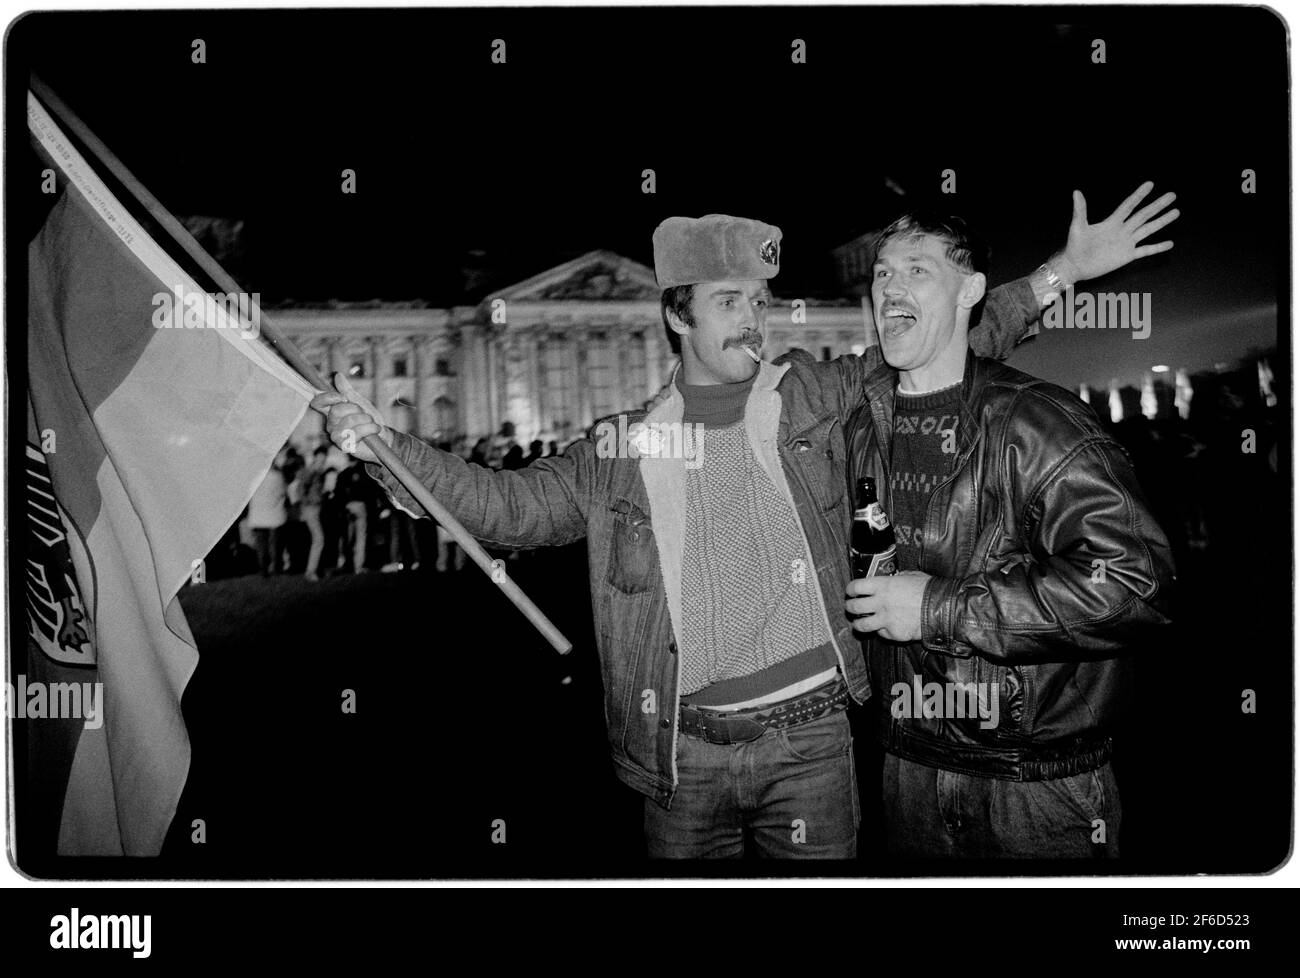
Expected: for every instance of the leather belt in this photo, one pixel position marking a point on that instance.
(742, 726)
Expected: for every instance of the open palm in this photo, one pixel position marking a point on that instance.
(1094, 250)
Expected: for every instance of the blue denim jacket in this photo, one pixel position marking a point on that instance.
(629, 508)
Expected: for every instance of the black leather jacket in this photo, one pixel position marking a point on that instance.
(1048, 569)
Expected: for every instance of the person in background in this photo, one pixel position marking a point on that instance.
(353, 490)
(292, 465)
(460, 447)
(312, 480)
(447, 546)
(479, 454)
(291, 534)
(401, 535)
(534, 452)
(333, 518)
(266, 517)
(500, 444)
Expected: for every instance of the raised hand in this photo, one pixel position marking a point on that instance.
(1094, 250)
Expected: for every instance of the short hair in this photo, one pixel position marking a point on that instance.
(677, 300)
(967, 250)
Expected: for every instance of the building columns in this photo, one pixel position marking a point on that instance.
(420, 423)
(584, 418)
(621, 366)
(535, 382)
(544, 421)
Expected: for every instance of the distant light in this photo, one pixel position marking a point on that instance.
(354, 369)
(1266, 383)
(1150, 406)
(1220, 367)
(1160, 368)
(1182, 394)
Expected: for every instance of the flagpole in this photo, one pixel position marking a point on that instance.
(294, 357)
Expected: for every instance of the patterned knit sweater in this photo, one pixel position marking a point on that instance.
(753, 623)
(925, 442)
(921, 456)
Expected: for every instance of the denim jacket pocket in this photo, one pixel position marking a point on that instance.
(813, 452)
(633, 564)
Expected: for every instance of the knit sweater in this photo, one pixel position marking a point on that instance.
(925, 442)
(752, 620)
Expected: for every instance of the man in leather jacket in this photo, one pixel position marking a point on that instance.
(1031, 570)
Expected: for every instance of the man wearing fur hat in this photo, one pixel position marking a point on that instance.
(717, 571)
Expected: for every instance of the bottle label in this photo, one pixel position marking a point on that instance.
(882, 564)
(875, 515)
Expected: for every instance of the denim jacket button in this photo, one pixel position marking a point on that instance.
(672, 648)
(665, 722)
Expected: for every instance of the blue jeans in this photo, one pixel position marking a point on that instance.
(793, 791)
(933, 813)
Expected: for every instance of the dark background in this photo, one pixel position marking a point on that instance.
(472, 176)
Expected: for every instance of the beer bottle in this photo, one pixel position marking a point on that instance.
(872, 542)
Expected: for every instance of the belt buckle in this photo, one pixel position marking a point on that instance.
(734, 724)
(724, 730)
(697, 723)
(714, 728)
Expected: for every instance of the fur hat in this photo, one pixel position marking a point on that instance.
(715, 248)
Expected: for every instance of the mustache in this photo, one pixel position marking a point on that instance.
(744, 339)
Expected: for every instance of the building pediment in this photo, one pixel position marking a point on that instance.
(598, 276)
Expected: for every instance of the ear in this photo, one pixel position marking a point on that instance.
(972, 290)
(675, 322)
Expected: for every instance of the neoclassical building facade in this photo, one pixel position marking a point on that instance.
(550, 354)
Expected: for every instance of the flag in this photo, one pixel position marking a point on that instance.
(147, 433)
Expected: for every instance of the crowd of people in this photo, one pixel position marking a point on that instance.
(1212, 479)
(321, 515)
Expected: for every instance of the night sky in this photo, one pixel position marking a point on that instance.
(482, 174)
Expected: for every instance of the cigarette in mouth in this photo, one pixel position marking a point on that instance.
(752, 354)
